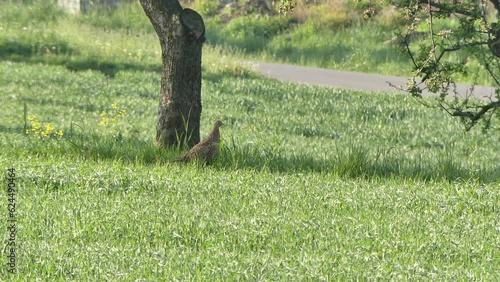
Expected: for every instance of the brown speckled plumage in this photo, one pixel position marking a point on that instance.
(207, 149)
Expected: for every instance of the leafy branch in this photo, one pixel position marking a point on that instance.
(475, 37)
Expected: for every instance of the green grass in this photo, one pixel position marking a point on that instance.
(336, 40)
(134, 222)
(354, 48)
(312, 184)
(330, 39)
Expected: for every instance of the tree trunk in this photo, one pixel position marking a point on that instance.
(181, 33)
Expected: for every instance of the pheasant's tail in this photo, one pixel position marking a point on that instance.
(185, 158)
(182, 159)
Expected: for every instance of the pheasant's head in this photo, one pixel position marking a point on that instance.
(218, 124)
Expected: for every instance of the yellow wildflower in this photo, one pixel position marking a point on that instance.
(48, 128)
(104, 119)
(40, 130)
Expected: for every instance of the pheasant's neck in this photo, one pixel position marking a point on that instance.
(215, 134)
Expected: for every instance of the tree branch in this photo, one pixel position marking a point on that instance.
(492, 74)
(157, 10)
(474, 117)
(448, 8)
(479, 43)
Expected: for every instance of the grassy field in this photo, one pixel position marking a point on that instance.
(330, 34)
(322, 36)
(313, 183)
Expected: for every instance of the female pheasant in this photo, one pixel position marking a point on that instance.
(208, 149)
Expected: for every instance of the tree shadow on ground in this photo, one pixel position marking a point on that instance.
(132, 149)
(11, 129)
(283, 51)
(25, 53)
(127, 148)
(354, 163)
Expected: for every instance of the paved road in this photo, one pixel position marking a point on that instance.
(352, 80)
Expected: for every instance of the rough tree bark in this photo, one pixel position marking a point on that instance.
(181, 33)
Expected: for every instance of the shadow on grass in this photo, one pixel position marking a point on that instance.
(42, 101)
(322, 57)
(355, 162)
(61, 54)
(127, 149)
(230, 72)
(282, 50)
(14, 129)
(287, 52)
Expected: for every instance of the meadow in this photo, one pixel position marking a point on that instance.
(313, 183)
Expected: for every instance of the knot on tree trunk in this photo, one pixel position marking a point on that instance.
(193, 24)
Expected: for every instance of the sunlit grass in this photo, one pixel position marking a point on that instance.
(312, 183)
